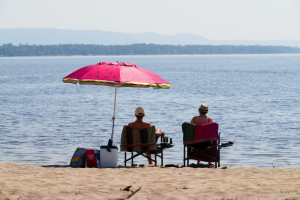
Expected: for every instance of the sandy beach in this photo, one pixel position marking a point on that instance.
(24, 181)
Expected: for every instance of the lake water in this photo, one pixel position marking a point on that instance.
(254, 98)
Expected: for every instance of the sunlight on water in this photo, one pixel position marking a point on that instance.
(254, 98)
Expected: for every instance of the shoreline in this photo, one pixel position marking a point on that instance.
(27, 181)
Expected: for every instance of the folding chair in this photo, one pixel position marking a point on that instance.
(141, 142)
(202, 143)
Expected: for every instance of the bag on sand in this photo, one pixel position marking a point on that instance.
(92, 158)
(78, 159)
(97, 155)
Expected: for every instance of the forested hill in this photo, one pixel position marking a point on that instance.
(8, 50)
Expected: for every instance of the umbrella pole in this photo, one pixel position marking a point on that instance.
(113, 119)
(110, 141)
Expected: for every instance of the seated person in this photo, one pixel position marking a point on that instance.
(202, 118)
(139, 124)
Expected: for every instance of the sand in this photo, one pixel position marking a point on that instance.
(23, 181)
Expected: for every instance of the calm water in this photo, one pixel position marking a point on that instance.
(254, 98)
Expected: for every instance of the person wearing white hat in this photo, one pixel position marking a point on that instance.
(139, 124)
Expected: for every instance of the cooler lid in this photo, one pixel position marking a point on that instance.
(112, 147)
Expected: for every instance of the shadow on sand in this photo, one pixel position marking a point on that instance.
(142, 166)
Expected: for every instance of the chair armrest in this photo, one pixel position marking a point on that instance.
(228, 144)
(165, 145)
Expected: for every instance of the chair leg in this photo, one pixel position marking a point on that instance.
(188, 161)
(131, 159)
(219, 150)
(216, 156)
(125, 158)
(184, 155)
(162, 156)
(155, 158)
(219, 157)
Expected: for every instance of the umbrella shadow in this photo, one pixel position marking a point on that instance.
(201, 165)
(57, 166)
(137, 166)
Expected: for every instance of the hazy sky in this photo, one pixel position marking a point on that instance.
(213, 19)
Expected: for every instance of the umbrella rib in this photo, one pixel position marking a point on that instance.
(100, 81)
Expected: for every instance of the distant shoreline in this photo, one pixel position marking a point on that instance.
(9, 50)
(49, 36)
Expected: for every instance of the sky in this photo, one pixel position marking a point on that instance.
(212, 19)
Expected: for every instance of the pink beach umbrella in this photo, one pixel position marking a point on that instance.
(116, 74)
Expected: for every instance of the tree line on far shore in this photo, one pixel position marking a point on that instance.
(10, 50)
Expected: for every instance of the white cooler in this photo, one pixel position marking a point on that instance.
(108, 159)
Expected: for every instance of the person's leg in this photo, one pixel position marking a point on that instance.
(149, 158)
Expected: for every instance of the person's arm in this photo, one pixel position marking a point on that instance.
(158, 133)
(192, 121)
(210, 120)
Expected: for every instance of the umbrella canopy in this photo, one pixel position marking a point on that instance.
(116, 74)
